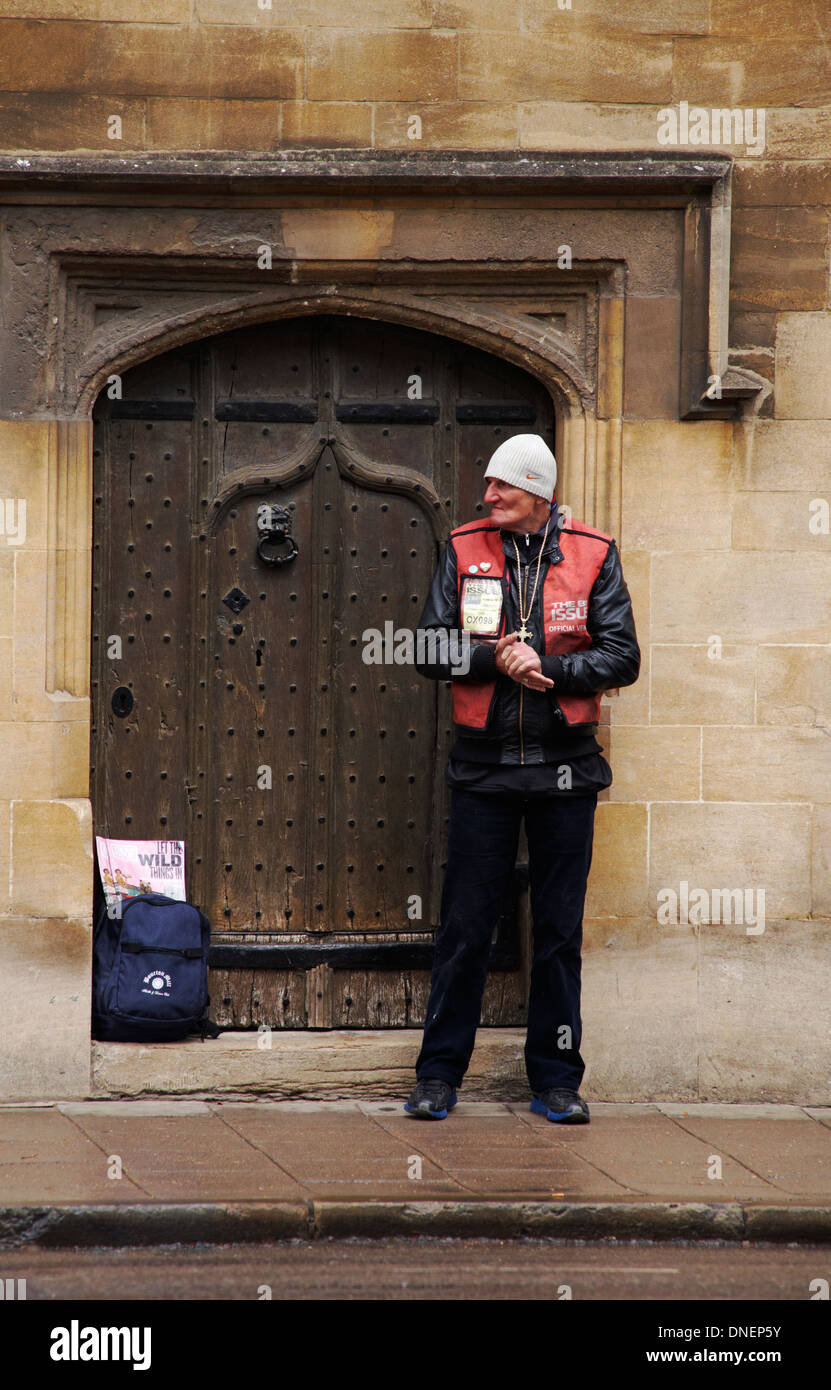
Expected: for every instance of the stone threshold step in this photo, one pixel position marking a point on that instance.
(308, 1065)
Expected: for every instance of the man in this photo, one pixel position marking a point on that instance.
(546, 601)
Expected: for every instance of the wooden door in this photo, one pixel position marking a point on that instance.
(264, 499)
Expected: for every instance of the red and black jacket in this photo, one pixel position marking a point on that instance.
(581, 623)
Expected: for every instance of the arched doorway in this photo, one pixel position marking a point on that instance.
(241, 716)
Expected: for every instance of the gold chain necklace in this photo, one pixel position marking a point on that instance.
(524, 631)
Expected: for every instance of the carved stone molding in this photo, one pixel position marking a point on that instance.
(109, 262)
(69, 568)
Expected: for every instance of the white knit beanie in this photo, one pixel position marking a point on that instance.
(525, 461)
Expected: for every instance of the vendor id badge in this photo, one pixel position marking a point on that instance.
(481, 606)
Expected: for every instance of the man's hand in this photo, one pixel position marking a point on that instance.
(516, 659)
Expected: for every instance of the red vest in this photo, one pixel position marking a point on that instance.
(565, 600)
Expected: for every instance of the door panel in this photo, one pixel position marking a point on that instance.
(306, 782)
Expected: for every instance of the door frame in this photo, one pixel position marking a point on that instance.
(111, 261)
(107, 294)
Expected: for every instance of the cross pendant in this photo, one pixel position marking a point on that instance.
(523, 632)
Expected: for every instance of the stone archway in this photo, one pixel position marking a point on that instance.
(582, 374)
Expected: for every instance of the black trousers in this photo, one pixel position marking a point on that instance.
(482, 848)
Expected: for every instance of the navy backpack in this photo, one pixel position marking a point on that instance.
(150, 972)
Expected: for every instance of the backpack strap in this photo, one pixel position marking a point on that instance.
(207, 1027)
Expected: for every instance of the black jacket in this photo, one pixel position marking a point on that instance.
(613, 660)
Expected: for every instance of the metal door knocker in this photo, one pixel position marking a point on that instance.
(276, 546)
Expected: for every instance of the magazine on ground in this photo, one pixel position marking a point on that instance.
(130, 867)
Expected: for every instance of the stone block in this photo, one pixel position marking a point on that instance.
(747, 1039)
(7, 556)
(213, 125)
(733, 846)
(321, 14)
(579, 125)
(691, 686)
(143, 60)
(789, 185)
(652, 362)
(771, 19)
(676, 480)
(44, 759)
(768, 764)
(5, 858)
(785, 456)
(821, 861)
(753, 330)
(760, 72)
(631, 705)
(651, 764)
(109, 11)
(52, 859)
(30, 698)
(30, 702)
(326, 1065)
(639, 990)
(381, 66)
(447, 125)
(331, 234)
(741, 597)
(617, 881)
(6, 669)
(42, 121)
(778, 258)
(803, 367)
(45, 974)
(24, 461)
(477, 15)
(561, 66)
(627, 16)
(792, 133)
(791, 522)
(326, 123)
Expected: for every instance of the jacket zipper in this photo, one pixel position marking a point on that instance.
(522, 688)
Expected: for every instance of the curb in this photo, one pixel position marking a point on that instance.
(164, 1223)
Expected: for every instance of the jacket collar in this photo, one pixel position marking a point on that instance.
(534, 538)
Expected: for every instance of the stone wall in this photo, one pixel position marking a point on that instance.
(721, 752)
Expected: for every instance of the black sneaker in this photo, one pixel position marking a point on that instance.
(431, 1100)
(563, 1107)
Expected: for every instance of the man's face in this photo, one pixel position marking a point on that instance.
(514, 509)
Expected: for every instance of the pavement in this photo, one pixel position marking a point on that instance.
(141, 1172)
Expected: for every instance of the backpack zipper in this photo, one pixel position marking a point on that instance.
(134, 948)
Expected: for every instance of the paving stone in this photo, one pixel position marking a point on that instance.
(794, 1158)
(651, 1154)
(197, 1157)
